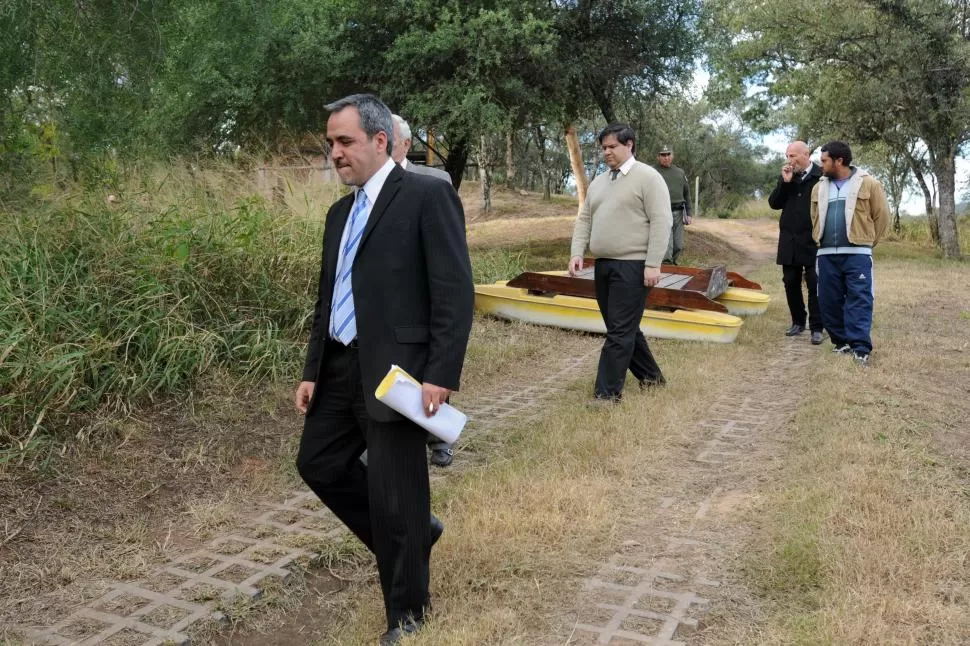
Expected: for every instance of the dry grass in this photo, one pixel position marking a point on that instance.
(301, 193)
(865, 530)
(163, 482)
(513, 204)
(545, 504)
(754, 209)
(867, 536)
(864, 538)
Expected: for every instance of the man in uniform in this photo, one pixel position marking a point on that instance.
(679, 189)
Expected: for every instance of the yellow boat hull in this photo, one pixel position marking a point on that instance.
(574, 313)
(744, 302)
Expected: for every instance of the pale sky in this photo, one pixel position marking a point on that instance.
(778, 141)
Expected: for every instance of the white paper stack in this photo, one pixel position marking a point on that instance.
(402, 392)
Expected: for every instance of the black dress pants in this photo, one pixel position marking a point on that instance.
(792, 277)
(387, 503)
(622, 296)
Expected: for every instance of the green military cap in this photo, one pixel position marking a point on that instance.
(665, 150)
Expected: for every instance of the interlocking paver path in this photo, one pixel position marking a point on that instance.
(654, 592)
(159, 610)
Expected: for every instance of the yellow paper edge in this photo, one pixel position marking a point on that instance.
(390, 378)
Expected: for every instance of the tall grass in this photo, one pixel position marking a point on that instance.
(490, 265)
(105, 306)
(914, 234)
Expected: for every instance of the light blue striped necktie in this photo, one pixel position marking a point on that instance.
(343, 322)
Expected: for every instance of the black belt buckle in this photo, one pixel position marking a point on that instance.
(353, 344)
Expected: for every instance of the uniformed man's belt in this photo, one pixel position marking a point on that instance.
(678, 207)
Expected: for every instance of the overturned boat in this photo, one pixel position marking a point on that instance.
(688, 303)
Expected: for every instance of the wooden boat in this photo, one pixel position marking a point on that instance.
(714, 289)
(741, 301)
(742, 297)
(688, 303)
(579, 313)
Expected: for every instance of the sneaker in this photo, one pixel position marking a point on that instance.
(842, 349)
(861, 358)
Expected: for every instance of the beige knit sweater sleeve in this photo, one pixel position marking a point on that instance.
(581, 230)
(656, 202)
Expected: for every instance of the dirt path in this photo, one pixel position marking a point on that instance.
(683, 532)
(757, 239)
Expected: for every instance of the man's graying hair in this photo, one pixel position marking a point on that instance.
(403, 125)
(374, 115)
(623, 133)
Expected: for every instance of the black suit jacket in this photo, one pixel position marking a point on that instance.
(412, 286)
(795, 243)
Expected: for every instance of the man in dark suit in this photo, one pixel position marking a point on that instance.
(796, 247)
(442, 453)
(395, 288)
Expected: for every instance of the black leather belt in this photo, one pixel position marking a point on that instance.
(352, 345)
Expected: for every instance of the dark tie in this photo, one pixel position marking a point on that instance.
(614, 173)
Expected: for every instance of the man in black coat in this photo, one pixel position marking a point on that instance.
(395, 288)
(796, 247)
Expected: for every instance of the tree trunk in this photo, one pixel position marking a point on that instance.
(544, 176)
(485, 175)
(510, 159)
(927, 199)
(576, 161)
(944, 169)
(455, 164)
(602, 99)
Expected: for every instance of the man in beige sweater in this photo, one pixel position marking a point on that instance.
(625, 222)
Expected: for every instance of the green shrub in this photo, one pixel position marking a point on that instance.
(102, 308)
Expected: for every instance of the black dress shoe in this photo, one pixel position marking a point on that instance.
(646, 384)
(441, 454)
(795, 329)
(816, 337)
(599, 402)
(437, 529)
(395, 635)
